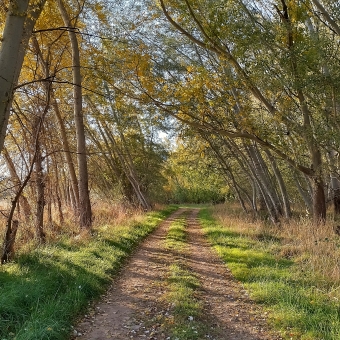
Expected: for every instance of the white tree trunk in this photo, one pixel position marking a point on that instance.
(15, 37)
(10, 60)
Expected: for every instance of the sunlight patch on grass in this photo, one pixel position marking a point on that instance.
(297, 308)
(182, 287)
(176, 237)
(186, 308)
(42, 293)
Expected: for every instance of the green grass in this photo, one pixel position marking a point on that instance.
(42, 292)
(175, 238)
(187, 309)
(297, 308)
(182, 289)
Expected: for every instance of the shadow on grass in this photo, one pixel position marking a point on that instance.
(298, 309)
(52, 289)
(42, 293)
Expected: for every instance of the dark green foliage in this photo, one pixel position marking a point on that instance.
(197, 195)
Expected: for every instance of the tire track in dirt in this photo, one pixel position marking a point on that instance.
(227, 307)
(134, 306)
(132, 300)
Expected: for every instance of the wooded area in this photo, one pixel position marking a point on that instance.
(246, 93)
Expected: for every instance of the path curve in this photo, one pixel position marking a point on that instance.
(133, 306)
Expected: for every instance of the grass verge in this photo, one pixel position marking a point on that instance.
(43, 291)
(186, 308)
(297, 308)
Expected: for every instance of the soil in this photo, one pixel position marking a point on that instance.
(134, 305)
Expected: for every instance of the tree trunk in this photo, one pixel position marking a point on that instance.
(238, 194)
(227, 171)
(8, 248)
(60, 209)
(17, 182)
(63, 134)
(254, 195)
(20, 20)
(10, 235)
(282, 186)
(85, 213)
(327, 16)
(126, 164)
(57, 194)
(110, 159)
(336, 198)
(127, 160)
(305, 193)
(335, 183)
(263, 185)
(258, 197)
(39, 184)
(248, 168)
(69, 161)
(10, 58)
(130, 173)
(266, 180)
(319, 199)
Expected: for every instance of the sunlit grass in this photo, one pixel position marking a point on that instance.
(300, 306)
(182, 285)
(186, 308)
(176, 236)
(43, 291)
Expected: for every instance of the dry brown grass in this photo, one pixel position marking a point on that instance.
(316, 249)
(104, 213)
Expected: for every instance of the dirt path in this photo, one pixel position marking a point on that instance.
(134, 307)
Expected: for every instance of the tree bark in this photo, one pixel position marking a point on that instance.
(281, 184)
(110, 159)
(267, 181)
(319, 199)
(227, 171)
(8, 248)
(17, 182)
(262, 180)
(327, 16)
(85, 213)
(130, 172)
(63, 134)
(334, 183)
(127, 160)
(10, 221)
(40, 185)
(305, 193)
(67, 152)
(20, 20)
(57, 193)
